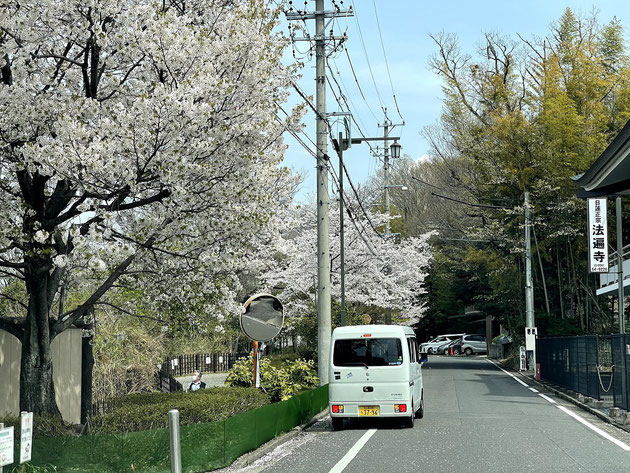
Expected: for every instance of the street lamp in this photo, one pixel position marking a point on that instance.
(399, 186)
(395, 149)
(341, 145)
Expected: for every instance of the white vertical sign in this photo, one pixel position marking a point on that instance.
(597, 236)
(26, 437)
(6, 446)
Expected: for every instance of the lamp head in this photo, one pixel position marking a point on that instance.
(395, 149)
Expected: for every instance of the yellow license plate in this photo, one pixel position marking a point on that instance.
(368, 411)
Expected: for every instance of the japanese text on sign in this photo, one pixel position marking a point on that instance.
(597, 236)
(26, 436)
(6, 446)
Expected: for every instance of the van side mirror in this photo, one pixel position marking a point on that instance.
(424, 357)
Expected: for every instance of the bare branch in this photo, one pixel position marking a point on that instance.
(56, 56)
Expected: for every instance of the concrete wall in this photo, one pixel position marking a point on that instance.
(10, 349)
(66, 352)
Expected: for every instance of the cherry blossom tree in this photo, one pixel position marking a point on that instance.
(383, 272)
(139, 145)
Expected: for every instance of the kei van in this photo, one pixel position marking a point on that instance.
(375, 371)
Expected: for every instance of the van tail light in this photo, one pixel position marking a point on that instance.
(400, 407)
(337, 408)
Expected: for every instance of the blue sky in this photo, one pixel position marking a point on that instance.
(405, 27)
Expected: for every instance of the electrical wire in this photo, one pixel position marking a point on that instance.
(367, 58)
(378, 24)
(356, 80)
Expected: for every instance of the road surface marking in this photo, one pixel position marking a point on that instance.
(339, 467)
(595, 429)
(546, 398)
(534, 390)
(509, 374)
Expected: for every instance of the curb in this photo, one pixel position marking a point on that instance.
(566, 397)
(250, 457)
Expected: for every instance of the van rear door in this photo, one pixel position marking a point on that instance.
(369, 370)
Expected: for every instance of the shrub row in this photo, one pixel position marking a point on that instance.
(150, 411)
(43, 426)
(280, 383)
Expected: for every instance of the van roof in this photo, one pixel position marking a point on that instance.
(374, 330)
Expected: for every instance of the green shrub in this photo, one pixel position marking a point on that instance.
(150, 410)
(30, 468)
(280, 383)
(43, 426)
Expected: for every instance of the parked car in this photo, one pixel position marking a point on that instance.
(441, 350)
(432, 345)
(455, 346)
(473, 344)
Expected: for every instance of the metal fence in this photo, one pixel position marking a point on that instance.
(205, 362)
(179, 366)
(621, 370)
(581, 364)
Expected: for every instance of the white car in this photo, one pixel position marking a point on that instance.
(474, 344)
(431, 346)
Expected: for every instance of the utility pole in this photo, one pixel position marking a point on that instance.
(386, 125)
(342, 269)
(620, 297)
(323, 228)
(529, 286)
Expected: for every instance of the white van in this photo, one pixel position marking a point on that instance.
(375, 372)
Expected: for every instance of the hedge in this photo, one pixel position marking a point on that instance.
(150, 411)
(204, 446)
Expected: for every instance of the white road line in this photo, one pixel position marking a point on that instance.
(534, 390)
(347, 458)
(595, 429)
(509, 374)
(547, 398)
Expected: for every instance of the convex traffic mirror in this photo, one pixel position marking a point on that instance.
(263, 317)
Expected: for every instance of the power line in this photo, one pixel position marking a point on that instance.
(378, 24)
(367, 59)
(483, 206)
(359, 85)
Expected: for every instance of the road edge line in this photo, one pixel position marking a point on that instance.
(354, 450)
(595, 429)
(508, 373)
(572, 400)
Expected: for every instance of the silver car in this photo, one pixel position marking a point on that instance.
(431, 346)
(474, 344)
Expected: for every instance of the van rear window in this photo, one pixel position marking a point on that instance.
(368, 352)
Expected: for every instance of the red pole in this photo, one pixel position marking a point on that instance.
(255, 360)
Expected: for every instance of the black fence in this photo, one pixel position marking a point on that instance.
(180, 366)
(621, 370)
(205, 362)
(582, 364)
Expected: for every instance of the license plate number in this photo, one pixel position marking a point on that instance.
(368, 411)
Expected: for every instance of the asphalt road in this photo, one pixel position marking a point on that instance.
(477, 419)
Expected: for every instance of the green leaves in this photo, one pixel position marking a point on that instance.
(291, 378)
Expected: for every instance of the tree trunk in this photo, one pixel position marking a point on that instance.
(37, 390)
